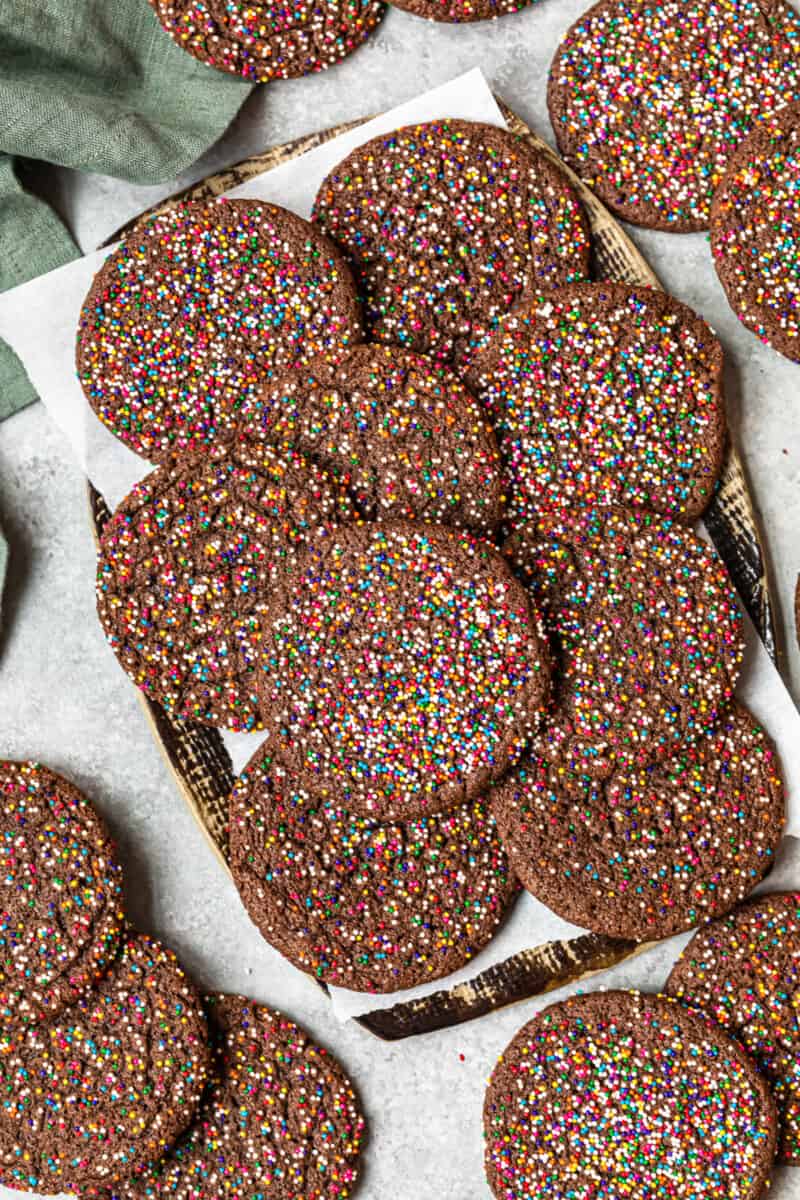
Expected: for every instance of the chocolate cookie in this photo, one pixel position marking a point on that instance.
(744, 970)
(95, 1095)
(403, 670)
(404, 435)
(457, 12)
(649, 99)
(196, 308)
(279, 1118)
(372, 907)
(755, 232)
(448, 225)
(262, 39)
(649, 851)
(645, 628)
(603, 394)
(187, 563)
(61, 888)
(617, 1094)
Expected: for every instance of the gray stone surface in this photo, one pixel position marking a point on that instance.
(64, 700)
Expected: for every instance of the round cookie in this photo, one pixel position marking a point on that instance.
(458, 12)
(645, 628)
(370, 907)
(744, 971)
(403, 670)
(448, 225)
(403, 433)
(755, 232)
(262, 40)
(649, 99)
(196, 308)
(187, 563)
(603, 394)
(618, 1094)
(651, 851)
(61, 885)
(95, 1095)
(279, 1118)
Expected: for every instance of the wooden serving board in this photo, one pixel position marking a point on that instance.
(200, 761)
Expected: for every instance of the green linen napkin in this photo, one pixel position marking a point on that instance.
(98, 86)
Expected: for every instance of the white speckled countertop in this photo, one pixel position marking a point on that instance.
(64, 700)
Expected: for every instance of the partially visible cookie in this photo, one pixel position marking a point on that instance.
(651, 851)
(603, 394)
(650, 99)
(457, 12)
(61, 919)
(646, 633)
(403, 670)
(196, 308)
(402, 432)
(187, 564)
(371, 907)
(755, 232)
(618, 1094)
(262, 39)
(96, 1095)
(448, 225)
(744, 971)
(279, 1118)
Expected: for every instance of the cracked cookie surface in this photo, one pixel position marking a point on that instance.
(634, 1091)
(646, 632)
(118, 1075)
(755, 232)
(61, 919)
(744, 971)
(196, 308)
(279, 1117)
(601, 394)
(448, 225)
(403, 670)
(401, 432)
(651, 851)
(187, 564)
(371, 907)
(263, 39)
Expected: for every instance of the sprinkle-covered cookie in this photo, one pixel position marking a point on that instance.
(457, 12)
(646, 631)
(755, 232)
(279, 1118)
(60, 894)
(401, 432)
(371, 907)
(650, 98)
(98, 1093)
(187, 563)
(196, 308)
(603, 394)
(448, 225)
(618, 1094)
(403, 670)
(744, 971)
(263, 39)
(649, 851)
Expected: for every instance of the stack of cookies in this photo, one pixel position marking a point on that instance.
(117, 1079)
(422, 515)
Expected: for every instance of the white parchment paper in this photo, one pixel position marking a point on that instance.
(40, 318)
